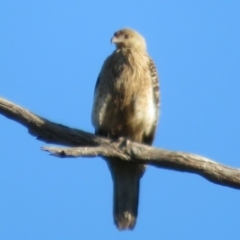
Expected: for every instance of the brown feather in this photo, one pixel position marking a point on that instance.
(126, 105)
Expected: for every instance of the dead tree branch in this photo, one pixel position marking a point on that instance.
(90, 145)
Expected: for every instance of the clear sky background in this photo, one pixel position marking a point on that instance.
(50, 55)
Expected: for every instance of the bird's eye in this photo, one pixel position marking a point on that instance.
(126, 36)
(115, 34)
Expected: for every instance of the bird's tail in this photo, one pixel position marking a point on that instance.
(126, 183)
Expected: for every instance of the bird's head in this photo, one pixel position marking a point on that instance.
(128, 38)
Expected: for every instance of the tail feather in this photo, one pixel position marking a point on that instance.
(126, 183)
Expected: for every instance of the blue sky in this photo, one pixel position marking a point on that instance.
(50, 55)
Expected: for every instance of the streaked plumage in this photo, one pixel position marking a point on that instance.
(126, 104)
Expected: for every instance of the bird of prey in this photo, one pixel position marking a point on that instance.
(126, 104)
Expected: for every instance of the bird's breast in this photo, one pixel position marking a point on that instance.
(125, 98)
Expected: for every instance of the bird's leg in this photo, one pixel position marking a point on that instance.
(123, 142)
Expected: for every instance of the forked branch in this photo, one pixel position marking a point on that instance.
(89, 145)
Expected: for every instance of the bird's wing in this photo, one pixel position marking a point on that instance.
(102, 96)
(148, 139)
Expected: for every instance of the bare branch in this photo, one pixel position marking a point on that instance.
(46, 130)
(179, 161)
(92, 145)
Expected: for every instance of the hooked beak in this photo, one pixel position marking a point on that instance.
(114, 40)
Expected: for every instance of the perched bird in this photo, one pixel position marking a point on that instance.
(126, 104)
